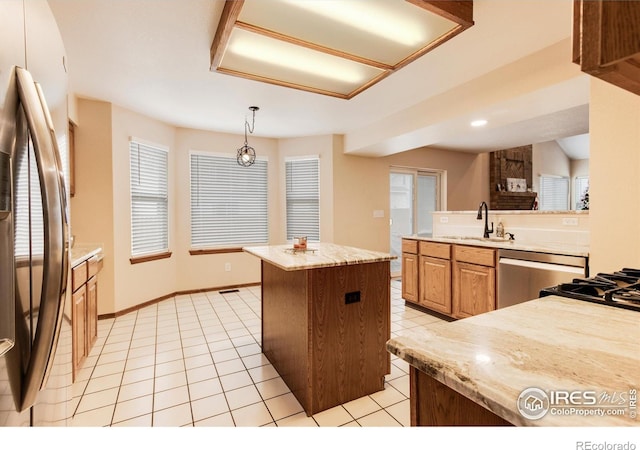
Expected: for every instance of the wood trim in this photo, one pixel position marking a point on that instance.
(142, 259)
(312, 46)
(230, 14)
(460, 12)
(285, 83)
(215, 251)
(174, 294)
(72, 159)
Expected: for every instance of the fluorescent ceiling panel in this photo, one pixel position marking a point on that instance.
(336, 47)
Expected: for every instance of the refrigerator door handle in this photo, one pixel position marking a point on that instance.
(56, 261)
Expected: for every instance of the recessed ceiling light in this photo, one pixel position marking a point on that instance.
(479, 123)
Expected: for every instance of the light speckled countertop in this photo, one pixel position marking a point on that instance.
(325, 255)
(555, 248)
(81, 252)
(552, 343)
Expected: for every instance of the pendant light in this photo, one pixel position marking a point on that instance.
(246, 154)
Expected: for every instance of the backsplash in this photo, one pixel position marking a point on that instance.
(535, 227)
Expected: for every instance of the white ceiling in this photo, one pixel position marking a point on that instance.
(152, 57)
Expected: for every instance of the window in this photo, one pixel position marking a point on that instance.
(554, 193)
(303, 198)
(581, 193)
(149, 199)
(228, 202)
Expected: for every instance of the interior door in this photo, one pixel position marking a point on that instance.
(414, 196)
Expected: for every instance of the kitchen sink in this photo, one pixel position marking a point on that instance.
(477, 238)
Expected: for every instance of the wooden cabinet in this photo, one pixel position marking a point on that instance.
(606, 41)
(474, 281)
(410, 270)
(435, 277)
(456, 280)
(84, 314)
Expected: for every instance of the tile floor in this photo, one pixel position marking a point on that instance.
(195, 360)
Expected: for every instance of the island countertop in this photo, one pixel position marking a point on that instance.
(552, 343)
(317, 255)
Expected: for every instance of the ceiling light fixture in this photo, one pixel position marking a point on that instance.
(479, 123)
(246, 154)
(341, 48)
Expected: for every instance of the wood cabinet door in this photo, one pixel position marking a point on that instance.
(435, 284)
(473, 289)
(410, 277)
(78, 329)
(92, 312)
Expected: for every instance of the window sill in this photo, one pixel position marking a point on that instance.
(215, 251)
(147, 258)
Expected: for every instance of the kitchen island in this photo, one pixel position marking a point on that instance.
(552, 361)
(326, 320)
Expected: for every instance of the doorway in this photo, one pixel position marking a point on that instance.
(414, 195)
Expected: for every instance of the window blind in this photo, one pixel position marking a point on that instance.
(554, 193)
(228, 202)
(28, 214)
(303, 198)
(149, 199)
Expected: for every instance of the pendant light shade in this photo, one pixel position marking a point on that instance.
(246, 154)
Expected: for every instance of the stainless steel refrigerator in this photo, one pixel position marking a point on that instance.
(35, 321)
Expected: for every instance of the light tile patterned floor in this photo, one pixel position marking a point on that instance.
(195, 360)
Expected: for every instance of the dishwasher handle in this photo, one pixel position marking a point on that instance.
(542, 266)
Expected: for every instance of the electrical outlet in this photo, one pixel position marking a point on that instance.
(377, 213)
(351, 297)
(227, 267)
(444, 219)
(570, 221)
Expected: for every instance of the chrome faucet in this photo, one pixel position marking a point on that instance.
(487, 231)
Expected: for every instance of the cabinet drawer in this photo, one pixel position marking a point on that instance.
(409, 246)
(435, 249)
(93, 266)
(475, 255)
(79, 275)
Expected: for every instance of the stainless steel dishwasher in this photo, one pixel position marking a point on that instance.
(522, 274)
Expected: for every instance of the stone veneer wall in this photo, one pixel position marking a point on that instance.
(511, 163)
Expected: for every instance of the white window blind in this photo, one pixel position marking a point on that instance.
(303, 198)
(149, 199)
(554, 193)
(28, 215)
(228, 202)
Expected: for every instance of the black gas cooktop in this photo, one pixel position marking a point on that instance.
(620, 289)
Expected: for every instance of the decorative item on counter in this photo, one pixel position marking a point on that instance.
(300, 243)
(534, 206)
(516, 185)
(500, 230)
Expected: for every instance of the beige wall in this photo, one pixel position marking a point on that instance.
(361, 185)
(549, 159)
(208, 271)
(351, 189)
(614, 190)
(138, 283)
(92, 207)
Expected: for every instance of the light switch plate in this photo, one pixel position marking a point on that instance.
(570, 221)
(377, 213)
(444, 219)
